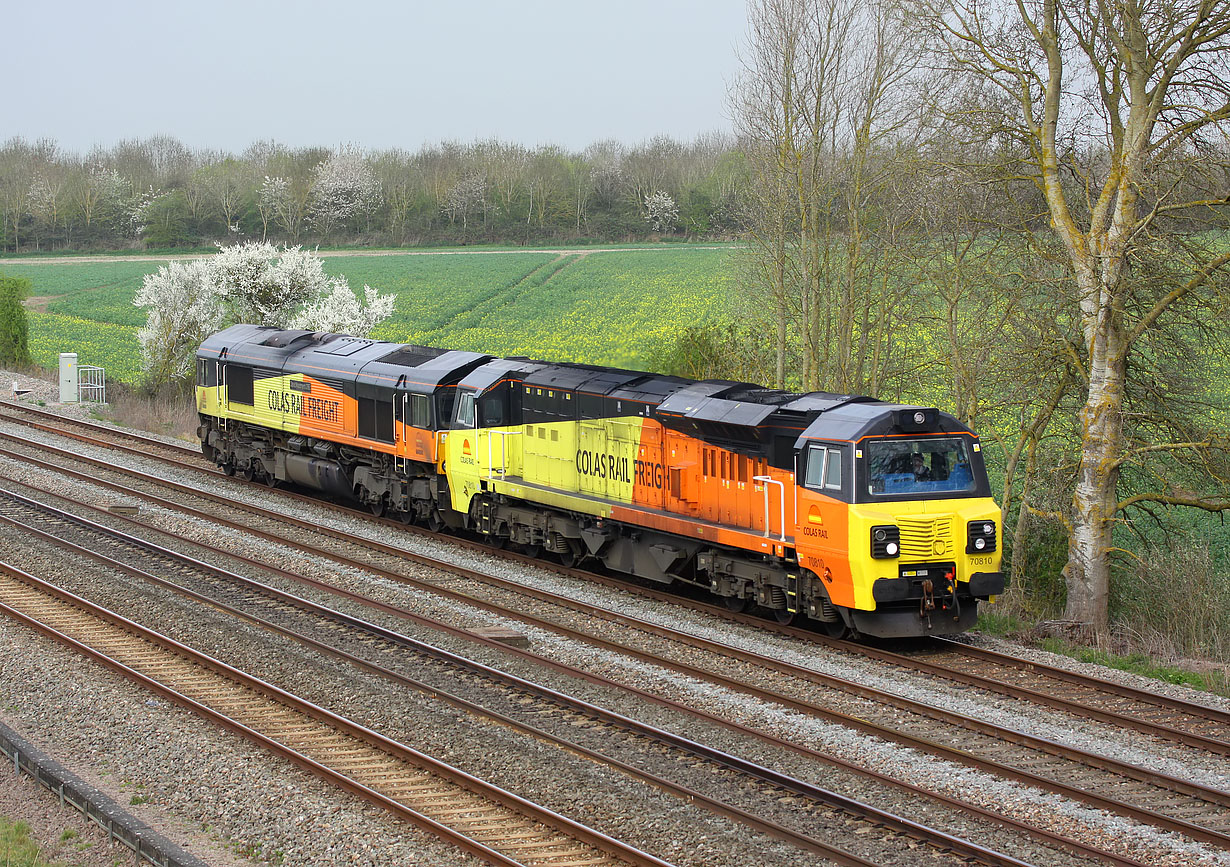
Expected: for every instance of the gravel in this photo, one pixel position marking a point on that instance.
(198, 776)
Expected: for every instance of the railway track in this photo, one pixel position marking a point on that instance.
(1183, 722)
(1215, 825)
(269, 608)
(1075, 693)
(482, 819)
(58, 532)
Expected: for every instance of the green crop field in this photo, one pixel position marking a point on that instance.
(594, 306)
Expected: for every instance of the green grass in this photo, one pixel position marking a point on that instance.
(98, 343)
(16, 847)
(589, 306)
(1010, 626)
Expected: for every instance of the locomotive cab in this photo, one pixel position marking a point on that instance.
(896, 517)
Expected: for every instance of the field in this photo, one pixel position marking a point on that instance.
(595, 306)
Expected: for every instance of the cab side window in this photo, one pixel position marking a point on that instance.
(465, 410)
(824, 470)
(420, 411)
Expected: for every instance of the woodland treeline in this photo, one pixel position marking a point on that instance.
(158, 193)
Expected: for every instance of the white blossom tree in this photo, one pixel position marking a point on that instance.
(343, 188)
(341, 311)
(253, 282)
(100, 191)
(184, 308)
(283, 201)
(465, 197)
(661, 212)
(259, 283)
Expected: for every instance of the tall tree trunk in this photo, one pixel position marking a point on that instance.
(1095, 499)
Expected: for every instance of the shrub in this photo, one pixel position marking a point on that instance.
(14, 329)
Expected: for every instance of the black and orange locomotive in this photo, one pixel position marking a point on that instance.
(867, 517)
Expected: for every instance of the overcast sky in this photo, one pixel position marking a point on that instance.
(376, 73)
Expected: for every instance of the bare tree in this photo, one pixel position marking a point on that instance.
(1118, 113)
(823, 99)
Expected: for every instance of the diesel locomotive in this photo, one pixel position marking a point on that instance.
(866, 517)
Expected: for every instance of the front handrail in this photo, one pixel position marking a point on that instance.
(769, 480)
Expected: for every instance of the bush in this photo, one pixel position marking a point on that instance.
(14, 329)
(1174, 602)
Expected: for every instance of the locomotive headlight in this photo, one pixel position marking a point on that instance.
(885, 541)
(920, 417)
(980, 537)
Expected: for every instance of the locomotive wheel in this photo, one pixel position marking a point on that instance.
(435, 523)
(568, 559)
(532, 550)
(784, 617)
(835, 629)
(249, 472)
(227, 467)
(495, 541)
(377, 507)
(406, 516)
(737, 604)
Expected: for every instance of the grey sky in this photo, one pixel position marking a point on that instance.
(376, 73)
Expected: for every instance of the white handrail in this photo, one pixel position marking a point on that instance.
(503, 451)
(769, 480)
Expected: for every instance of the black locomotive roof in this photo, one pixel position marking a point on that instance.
(238, 337)
(609, 381)
(722, 409)
(651, 389)
(487, 375)
(434, 367)
(707, 402)
(857, 419)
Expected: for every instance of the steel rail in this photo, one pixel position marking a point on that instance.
(953, 754)
(867, 812)
(457, 777)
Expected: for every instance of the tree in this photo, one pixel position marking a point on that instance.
(824, 101)
(14, 329)
(184, 308)
(252, 282)
(343, 188)
(276, 201)
(261, 284)
(341, 311)
(1117, 112)
(661, 212)
(99, 193)
(468, 195)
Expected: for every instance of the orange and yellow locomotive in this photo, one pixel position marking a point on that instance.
(867, 517)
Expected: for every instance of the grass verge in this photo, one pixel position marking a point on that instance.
(1009, 625)
(16, 847)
